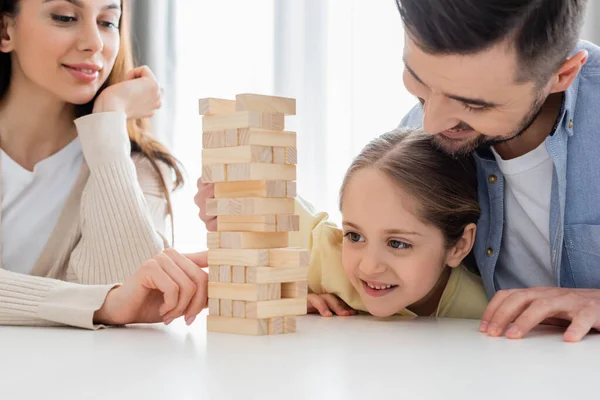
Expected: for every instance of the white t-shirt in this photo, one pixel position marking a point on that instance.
(32, 203)
(524, 259)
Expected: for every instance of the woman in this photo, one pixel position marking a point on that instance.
(85, 189)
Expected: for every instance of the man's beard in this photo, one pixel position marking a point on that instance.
(459, 148)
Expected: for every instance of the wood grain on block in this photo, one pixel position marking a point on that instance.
(249, 257)
(289, 324)
(278, 155)
(213, 139)
(244, 291)
(276, 326)
(243, 326)
(294, 290)
(288, 223)
(213, 306)
(243, 119)
(237, 155)
(214, 272)
(289, 258)
(291, 156)
(290, 189)
(231, 137)
(276, 275)
(225, 273)
(250, 206)
(232, 190)
(214, 173)
(260, 171)
(226, 307)
(253, 240)
(259, 102)
(275, 308)
(238, 274)
(247, 223)
(212, 105)
(263, 137)
(213, 240)
(239, 309)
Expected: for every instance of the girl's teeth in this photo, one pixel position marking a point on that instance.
(379, 287)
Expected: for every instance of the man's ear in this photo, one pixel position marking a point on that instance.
(7, 29)
(458, 253)
(568, 71)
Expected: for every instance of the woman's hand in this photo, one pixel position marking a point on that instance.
(164, 288)
(327, 303)
(139, 96)
(205, 191)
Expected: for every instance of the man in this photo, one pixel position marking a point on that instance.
(509, 82)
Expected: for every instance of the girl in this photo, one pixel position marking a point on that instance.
(85, 188)
(409, 214)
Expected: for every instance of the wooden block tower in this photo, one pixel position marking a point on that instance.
(257, 284)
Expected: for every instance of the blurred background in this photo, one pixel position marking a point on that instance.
(340, 59)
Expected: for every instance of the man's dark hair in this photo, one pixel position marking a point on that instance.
(543, 32)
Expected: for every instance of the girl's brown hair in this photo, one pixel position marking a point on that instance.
(139, 132)
(445, 187)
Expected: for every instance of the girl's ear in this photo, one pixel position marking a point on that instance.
(6, 33)
(457, 253)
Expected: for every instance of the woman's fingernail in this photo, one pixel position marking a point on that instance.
(168, 321)
(483, 327)
(190, 320)
(513, 332)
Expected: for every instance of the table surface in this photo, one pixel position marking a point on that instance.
(328, 358)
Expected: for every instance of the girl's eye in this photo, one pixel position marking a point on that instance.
(354, 237)
(65, 19)
(397, 244)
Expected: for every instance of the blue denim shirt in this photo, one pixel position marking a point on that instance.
(574, 146)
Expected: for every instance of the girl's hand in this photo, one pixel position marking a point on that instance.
(164, 288)
(139, 96)
(327, 303)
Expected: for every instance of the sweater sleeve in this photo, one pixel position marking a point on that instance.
(122, 207)
(35, 301)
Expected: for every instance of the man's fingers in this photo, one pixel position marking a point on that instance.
(538, 311)
(583, 322)
(513, 305)
(491, 308)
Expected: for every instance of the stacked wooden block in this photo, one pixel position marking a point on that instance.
(257, 284)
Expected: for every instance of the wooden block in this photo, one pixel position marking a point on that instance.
(276, 275)
(260, 171)
(225, 273)
(243, 119)
(214, 173)
(294, 290)
(213, 139)
(262, 137)
(255, 258)
(250, 206)
(291, 156)
(288, 223)
(289, 324)
(238, 274)
(237, 155)
(232, 190)
(214, 273)
(275, 308)
(290, 189)
(259, 102)
(213, 240)
(278, 155)
(244, 326)
(253, 240)
(213, 306)
(231, 137)
(226, 307)
(212, 105)
(289, 258)
(244, 291)
(247, 223)
(239, 309)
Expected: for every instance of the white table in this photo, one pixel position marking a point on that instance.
(336, 358)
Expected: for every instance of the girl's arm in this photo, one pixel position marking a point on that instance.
(123, 210)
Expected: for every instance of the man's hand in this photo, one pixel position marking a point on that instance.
(527, 308)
